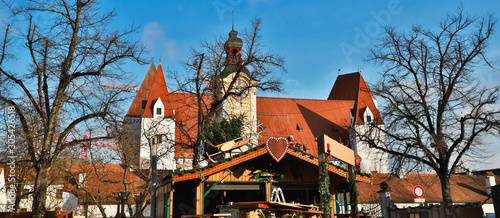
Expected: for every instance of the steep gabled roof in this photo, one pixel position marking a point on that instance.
(186, 117)
(305, 119)
(143, 92)
(152, 88)
(158, 90)
(352, 86)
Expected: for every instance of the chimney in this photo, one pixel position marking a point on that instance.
(490, 182)
(401, 173)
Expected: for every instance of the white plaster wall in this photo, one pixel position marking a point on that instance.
(375, 209)
(372, 208)
(372, 159)
(110, 209)
(165, 150)
(3, 191)
(52, 202)
(488, 208)
(253, 114)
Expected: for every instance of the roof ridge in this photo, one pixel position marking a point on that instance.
(159, 90)
(142, 94)
(306, 99)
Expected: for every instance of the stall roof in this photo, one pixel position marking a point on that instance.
(256, 152)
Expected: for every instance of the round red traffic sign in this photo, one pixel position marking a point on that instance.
(418, 191)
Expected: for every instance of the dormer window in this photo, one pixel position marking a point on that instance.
(159, 109)
(368, 115)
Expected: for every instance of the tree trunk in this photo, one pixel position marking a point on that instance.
(445, 189)
(102, 210)
(40, 189)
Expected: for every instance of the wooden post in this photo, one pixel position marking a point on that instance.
(199, 198)
(171, 207)
(334, 203)
(268, 191)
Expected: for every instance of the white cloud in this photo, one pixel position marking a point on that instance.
(291, 82)
(155, 39)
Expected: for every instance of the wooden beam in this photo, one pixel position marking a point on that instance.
(199, 198)
(268, 191)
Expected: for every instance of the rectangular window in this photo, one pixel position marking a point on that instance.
(158, 111)
(25, 191)
(59, 193)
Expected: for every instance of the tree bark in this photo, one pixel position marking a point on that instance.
(445, 188)
(40, 193)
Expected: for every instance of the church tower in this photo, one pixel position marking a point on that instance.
(363, 117)
(236, 80)
(151, 122)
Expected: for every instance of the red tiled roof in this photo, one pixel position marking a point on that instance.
(305, 119)
(143, 92)
(288, 116)
(352, 86)
(464, 188)
(152, 88)
(186, 117)
(107, 180)
(314, 117)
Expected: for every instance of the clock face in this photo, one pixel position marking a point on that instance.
(238, 87)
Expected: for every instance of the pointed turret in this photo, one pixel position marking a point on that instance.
(152, 88)
(352, 86)
(151, 121)
(159, 90)
(137, 107)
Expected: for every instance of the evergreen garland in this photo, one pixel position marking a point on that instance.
(223, 131)
(324, 190)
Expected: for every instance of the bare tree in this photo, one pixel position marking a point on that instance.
(204, 79)
(155, 132)
(436, 111)
(71, 49)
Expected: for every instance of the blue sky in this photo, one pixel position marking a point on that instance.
(317, 38)
(311, 35)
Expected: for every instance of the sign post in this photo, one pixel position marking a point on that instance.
(419, 192)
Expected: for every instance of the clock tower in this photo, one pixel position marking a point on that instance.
(236, 80)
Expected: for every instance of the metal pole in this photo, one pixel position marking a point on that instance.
(153, 182)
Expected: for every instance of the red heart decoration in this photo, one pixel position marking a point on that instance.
(277, 147)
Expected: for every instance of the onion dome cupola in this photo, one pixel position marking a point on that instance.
(233, 48)
(233, 61)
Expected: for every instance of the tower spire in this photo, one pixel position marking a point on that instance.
(233, 48)
(232, 21)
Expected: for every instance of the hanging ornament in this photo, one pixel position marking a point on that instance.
(277, 147)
